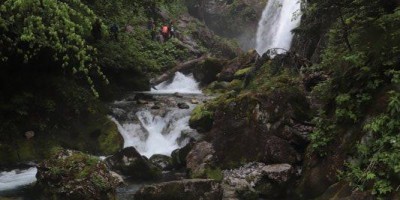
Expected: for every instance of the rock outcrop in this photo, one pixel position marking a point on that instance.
(74, 175)
(183, 190)
(130, 163)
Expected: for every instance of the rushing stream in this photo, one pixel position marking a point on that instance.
(279, 18)
(155, 125)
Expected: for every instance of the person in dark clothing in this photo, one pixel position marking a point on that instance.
(114, 31)
(151, 26)
(96, 30)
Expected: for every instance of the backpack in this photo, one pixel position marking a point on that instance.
(165, 29)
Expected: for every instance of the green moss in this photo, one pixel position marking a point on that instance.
(242, 73)
(215, 174)
(201, 119)
(110, 141)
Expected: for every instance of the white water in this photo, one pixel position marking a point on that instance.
(155, 134)
(180, 84)
(152, 132)
(279, 18)
(17, 178)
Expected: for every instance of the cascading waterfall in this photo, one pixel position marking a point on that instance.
(180, 84)
(17, 178)
(279, 18)
(157, 131)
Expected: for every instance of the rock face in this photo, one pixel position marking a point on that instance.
(179, 156)
(200, 158)
(260, 127)
(162, 161)
(74, 175)
(234, 18)
(257, 180)
(129, 162)
(183, 190)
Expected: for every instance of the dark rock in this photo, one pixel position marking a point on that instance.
(183, 106)
(74, 175)
(162, 161)
(200, 158)
(143, 96)
(129, 162)
(207, 72)
(252, 128)
(183, 190)
(179, 156)
(177, 94)
(188, 136)
(155, 107)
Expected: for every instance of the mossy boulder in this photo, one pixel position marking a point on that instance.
(241, 74)
(162, 161)
(183, 190)
(206, 72)
(74, 175)
(130, 163)
(201, 119)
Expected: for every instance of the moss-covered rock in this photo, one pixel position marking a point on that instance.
(241, 74)
(74, 175)
(201, 119)
(129, 162)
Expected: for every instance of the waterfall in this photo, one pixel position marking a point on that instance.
(158, 131)
(279, 18)
(180, 84)
(17, 178)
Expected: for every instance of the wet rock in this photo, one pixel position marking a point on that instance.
(119, 179)
(29, 135)
(179, 156)
(194, 101)
(74, 175)
(162, 161)
(155, 107)
(257, 179)
(130, 163)
(141, 101)
(177, 94)
(183, 190)
(183, 106)
(188, 136)
(143, 96)
(200, 158)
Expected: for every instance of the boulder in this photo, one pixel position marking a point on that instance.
(183, 106)
(130, 163)
(187, 136)
(200, 158)
(179, 156)
(74, 175)
(183, 190)
(162, 161)
(194, 101)
(201, 119)
(250, 127)
(257, 179)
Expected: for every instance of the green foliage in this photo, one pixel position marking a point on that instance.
(59, 34)
(362, 61)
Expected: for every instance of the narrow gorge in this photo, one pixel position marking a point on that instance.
(187, 99)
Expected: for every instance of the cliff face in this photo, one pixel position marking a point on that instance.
(230, 18)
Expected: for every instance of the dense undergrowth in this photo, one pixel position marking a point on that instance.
(361, 59)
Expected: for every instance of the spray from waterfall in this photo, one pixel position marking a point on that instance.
(279, 18)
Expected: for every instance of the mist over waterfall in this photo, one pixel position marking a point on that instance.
(279, 18)
(162, 130)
